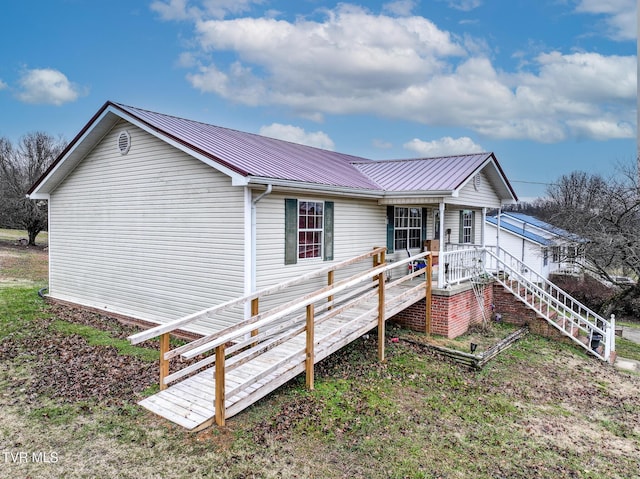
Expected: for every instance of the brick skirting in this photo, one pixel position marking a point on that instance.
(454, 310)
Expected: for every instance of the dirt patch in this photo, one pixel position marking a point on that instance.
(23, 265)
(68, 369)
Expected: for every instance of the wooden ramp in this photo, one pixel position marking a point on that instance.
(282, 344)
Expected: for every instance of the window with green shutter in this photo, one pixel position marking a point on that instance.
(308, 230)
(467, 226)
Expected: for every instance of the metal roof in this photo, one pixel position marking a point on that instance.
(549, 228)
(255, 155)
(260, 159)
(547, 233)
(519, 231)
(447, 173)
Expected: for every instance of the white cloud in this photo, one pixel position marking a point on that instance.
(357, 62)
(184, 9)
(401, 8)
(465, 5)
(444, 146)
(3, 85)
(296, 134)
(47, 86)
(383, 145)
(171, 10)
(620, 16)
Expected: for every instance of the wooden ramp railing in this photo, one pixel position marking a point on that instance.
(237, 366)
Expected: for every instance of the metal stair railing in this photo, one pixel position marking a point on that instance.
(561, 310)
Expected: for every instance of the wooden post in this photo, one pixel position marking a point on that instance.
(164, 363)
(220, 389)
(254, 312)
(330, 279)
(427, 298)
(381, 311)
(310, 347)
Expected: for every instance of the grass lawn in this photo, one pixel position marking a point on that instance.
(69, 386)
(13, 235)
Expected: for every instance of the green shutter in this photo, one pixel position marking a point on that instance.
(473, 227)
(328, 230)
(390, 229)
(425, 213)
(290, 231)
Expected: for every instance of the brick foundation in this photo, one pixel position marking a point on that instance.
(452, 311)
(516, 312)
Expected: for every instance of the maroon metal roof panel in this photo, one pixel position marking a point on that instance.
(446, 173)
(254, 155)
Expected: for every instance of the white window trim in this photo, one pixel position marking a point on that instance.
(407, 228)
(320, 230)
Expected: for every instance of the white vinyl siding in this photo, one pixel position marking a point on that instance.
(484, 196)
(452, 222)
(359, 225)
(154, 234)
(529, 252)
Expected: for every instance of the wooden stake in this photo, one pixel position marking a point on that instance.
(164, 363)
(254, 312)
(310, 347)
(427, 300)
(381, 305)
(330, 279)
(220, 389)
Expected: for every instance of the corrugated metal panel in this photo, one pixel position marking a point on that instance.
(430, 174)
(518, 231)
(255, 155)
(549, 228)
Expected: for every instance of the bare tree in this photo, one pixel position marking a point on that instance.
(20, 167)
(607, 214)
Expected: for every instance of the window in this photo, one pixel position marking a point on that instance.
(436, 225)
(466, 226)
(545, 256)
(555, 254)
(407, 224)
(310, 228)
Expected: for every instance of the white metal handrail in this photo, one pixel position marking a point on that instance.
(546, 298)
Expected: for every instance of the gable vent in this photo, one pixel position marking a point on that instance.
(124, 142)
(476, 181)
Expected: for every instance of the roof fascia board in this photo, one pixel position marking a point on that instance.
(471, 175)
(236, 178)
(35, 193)
(491, 160)
(298, 186)
(504, 179)
(406, 200)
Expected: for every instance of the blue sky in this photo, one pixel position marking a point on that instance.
(550, 86)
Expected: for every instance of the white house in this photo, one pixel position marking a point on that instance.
(542, 246)
(154, 217)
